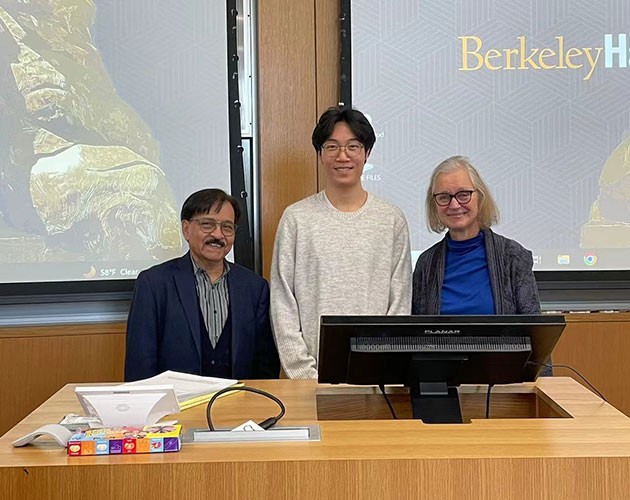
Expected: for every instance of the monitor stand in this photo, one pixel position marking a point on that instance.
(435, 403)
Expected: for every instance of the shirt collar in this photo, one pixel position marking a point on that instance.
(201, 271)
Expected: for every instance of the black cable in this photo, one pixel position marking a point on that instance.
(488, 400)
(591, 386)
(265, 424)
(391, 408)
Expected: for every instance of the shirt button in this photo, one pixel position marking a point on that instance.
(212, 362)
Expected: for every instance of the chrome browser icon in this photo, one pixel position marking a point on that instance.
(590, 259)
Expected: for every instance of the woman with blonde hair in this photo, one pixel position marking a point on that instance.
(472, 270)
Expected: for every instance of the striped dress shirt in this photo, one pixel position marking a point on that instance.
(214, 300)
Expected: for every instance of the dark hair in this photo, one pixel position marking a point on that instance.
(205, 200)
(356, 120)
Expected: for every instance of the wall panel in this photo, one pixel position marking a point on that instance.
(298, 76)
(35, 362)
(286, 97)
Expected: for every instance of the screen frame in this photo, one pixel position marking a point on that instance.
(244, 245)
(336, 332)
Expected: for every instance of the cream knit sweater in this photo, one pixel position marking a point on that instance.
(328, 262)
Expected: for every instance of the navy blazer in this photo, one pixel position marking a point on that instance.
(163, 329)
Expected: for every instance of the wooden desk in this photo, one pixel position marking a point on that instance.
(35, 362)
(584, 455)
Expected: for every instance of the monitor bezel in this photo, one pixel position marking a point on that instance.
(336, 331)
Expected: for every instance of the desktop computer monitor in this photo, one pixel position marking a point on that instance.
(433, 355)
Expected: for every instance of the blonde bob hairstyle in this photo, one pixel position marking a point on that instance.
(488, 213)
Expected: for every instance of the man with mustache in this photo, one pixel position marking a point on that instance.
(200, 313)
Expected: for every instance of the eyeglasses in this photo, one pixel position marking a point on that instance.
(462, 197)
(332, 149)
(208, 225)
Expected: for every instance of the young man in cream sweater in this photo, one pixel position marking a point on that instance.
(342, 251)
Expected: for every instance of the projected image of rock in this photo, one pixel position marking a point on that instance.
(79, 168)
(609, 224)
(109, 198)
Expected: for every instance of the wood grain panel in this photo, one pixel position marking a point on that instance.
(495, 478)
(328, 51)
(598, 346)
(584, 457)
(36, 362)
(287, 111)
(62, 330)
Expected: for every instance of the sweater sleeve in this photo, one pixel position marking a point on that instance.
(285, 320)
(400, 286)
(524, 282)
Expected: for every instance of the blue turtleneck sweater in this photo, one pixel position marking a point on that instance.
(466, 288)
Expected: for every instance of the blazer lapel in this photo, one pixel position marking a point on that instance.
(187, 291)
(235, 290)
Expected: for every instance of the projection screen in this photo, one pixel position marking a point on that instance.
(111, 113)
(535, 92)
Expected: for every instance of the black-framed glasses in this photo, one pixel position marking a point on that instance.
(332, 149)
(462, 197)
(208, 225)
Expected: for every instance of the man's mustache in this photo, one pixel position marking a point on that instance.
(215, 241)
